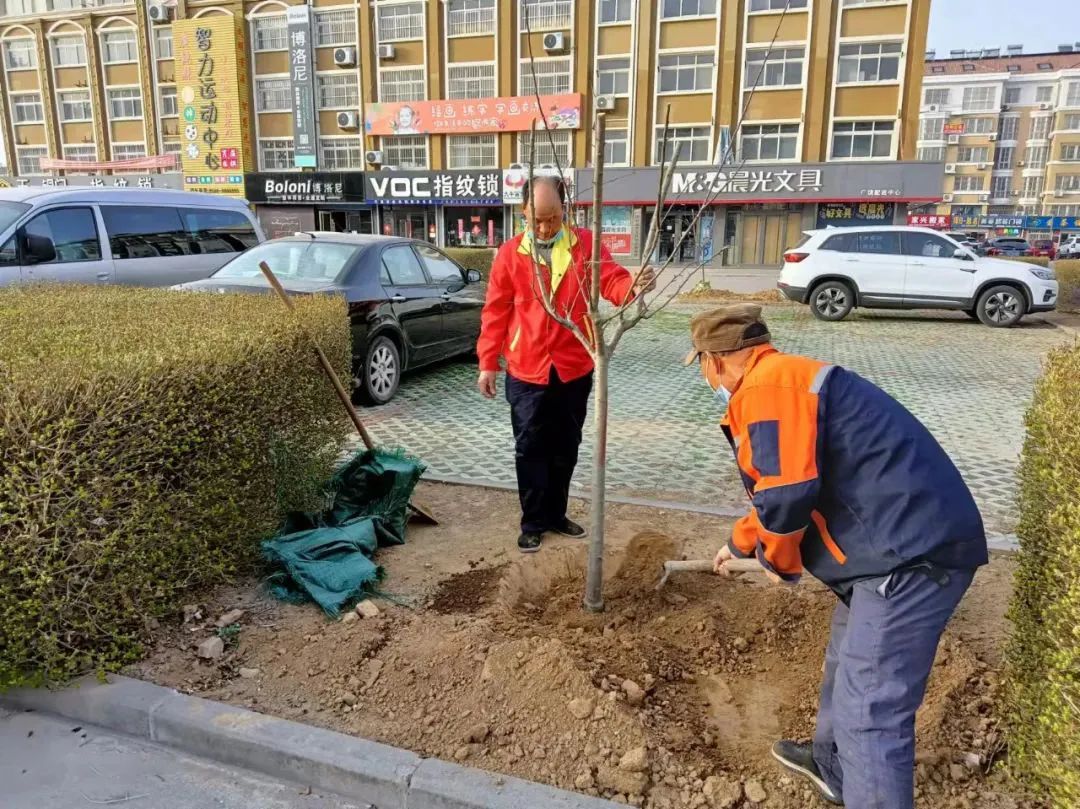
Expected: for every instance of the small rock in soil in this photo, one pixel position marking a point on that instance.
(635, 760)
(349, 617)
(367, 609)
(229, 618)
(192, 612)
(477, 733)
(722, 793)
(584, 781)
(462, 752)
(958, 772)
(249, 674)
(349, 698)
(629, 783)
(211, 648)
(741, 644)
(755, 792)
(635, 694)
(581, 708)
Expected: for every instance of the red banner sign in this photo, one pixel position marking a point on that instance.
(953, 129)
(162, 161)
(510, 114)
(930, 220)
(617, 243)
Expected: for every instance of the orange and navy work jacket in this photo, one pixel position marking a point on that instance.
(514, 322)
(844, 482)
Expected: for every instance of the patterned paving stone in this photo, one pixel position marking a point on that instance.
(969, 384)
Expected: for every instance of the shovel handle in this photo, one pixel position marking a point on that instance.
(706, 566)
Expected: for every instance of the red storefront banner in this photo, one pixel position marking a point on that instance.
(162, 161)
(617, 243)
(930, 220)
(953, 129)
(502, 114)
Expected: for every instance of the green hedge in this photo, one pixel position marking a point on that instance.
(148, 439)
(473, 258)
(1043, 653)
(1041, 261)
(1068, 275)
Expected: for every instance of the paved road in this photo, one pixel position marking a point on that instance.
(47, 763)
(968, 383)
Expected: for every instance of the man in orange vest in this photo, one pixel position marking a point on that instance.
(847, 485)
(549, 371)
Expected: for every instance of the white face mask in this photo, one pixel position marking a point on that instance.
(721, 397)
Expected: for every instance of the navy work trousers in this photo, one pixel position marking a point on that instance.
(879, 658)
(547, 421)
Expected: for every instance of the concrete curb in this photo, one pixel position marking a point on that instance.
(386, 777)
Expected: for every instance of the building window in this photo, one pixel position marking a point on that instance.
(685, 73)
(1066, 184)
(168, 101)
(336, 27)
(26, 108)
(1070, 152)
(163, 44)
(1072, 94)
(768, 141)
(471, 151)
(400, 21)
(552, 147)
(405, 84)
(869, 62)
(999, 187)
(1003, 157)
(977, 99)
(20, 54)
(615, 11)
(28, 159)
(405, 151)
(934, 154)
(552, 76)
(1007, 128)
(932, 129)
(694, 144)
(1035, 157)
(671, 9)
(973, 154)
(471, 81)
(470, 17)
(776, 5)
(1044, 93)
(538, 15)
(276, 153)
(978, 126)
(1033, 187)
(341, 154)
(271, 33)
(69, 51)
(1012, 95)
(119, 48)
(128, 151)
(613, 77)
(338, 91)
(272, 95)
(1071, 122)
(782, 67)
(75, 106)
(862, 139)
(170, 147)
(1040, 127)
(124, 103)
(936, 95)
(969, 183)
(85, 154)
(616, 152)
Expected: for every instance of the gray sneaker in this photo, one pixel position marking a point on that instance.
(799, 758)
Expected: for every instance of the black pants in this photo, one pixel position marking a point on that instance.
(547, 421)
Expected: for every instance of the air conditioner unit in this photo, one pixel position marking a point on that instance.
(373, 157)
(555, 42)
(158, 12)
(946, 197)
(950, 168)
(345, 57)
(983, 166)
(605, 102)
(932, 108)
(954, 139)
(984, 197)
(386, 52)
(1021, 163)
(1005, 107)
(992, 136)
(348, 119)
(1044, 106)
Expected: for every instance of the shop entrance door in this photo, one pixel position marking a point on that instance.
(345, 221)
(410, 223)
(678, 236)
(766, 236)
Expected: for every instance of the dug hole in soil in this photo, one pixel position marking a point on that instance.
(667, 699)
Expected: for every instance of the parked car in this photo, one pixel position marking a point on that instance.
(409, 303)
(910, 268)
(1043, 247)
(119, 236)
(1007, 246)
(1069, 246)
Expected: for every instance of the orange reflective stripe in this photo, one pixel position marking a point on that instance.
(826, 537)
(517, 336)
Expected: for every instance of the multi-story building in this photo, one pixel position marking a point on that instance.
(411, 116)
(1007, 127)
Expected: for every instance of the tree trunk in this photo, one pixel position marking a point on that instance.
(594, 580)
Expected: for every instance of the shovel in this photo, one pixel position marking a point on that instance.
(706, 566)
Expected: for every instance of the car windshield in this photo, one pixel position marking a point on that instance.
(10, 211)
(311, 260)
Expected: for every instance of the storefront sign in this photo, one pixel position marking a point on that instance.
(291, 187)
(999, 221)
(511, 114)
(211, 84)
(158, 161)
(173, 181)
(280, 221)
(1053, 223)
(746, 181)
(854, 213)
(515, 177)
(617, 243)
(433, 187)
(964, 221)
(302, 82)
(930, 220)
(953, 129)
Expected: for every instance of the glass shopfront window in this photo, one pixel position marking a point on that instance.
(473, 226)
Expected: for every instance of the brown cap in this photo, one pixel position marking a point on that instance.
(728, 328)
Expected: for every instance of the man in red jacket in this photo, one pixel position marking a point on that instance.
(549, 372)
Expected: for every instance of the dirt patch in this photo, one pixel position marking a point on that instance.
(645, 701)
(720, 295)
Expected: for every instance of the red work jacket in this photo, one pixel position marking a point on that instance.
(514, 322)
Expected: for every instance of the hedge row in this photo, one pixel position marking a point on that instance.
(148, 440)
(1043, 653)
(1068, 275)
(473, 258)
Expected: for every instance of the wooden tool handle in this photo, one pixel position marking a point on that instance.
(706, 566)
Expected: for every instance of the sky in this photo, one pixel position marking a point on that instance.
(1038, 25)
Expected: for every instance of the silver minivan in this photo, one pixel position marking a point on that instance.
(138, 237)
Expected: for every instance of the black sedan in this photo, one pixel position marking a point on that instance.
(409, 303)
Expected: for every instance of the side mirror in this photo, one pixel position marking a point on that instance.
(963, 255)
(39, 249)
(473, 276)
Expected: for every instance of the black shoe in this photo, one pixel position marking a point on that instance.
(571, 529)
(529, 542)
(799, 758)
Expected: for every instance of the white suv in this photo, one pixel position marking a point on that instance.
(1069, 247)
(837, 269)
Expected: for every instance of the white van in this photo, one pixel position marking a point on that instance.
(138, 237)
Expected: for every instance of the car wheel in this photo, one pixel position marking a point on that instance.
(1001, 306)
(832, 300)
(381, 373)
